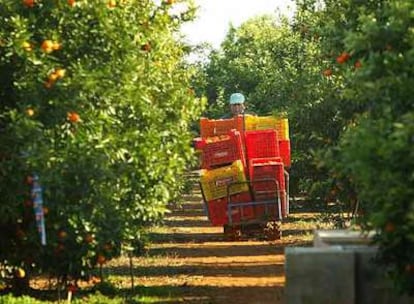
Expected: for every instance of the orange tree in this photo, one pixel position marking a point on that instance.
(96, 102)
(373, 46)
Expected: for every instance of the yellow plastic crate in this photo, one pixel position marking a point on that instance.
(214, 182)
(281, 125)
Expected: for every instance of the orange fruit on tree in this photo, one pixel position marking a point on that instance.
(30, 112)
(100, 259)
(53, 77)
(62, 234)
(357, 64)
(60, 73)
(343, 58)
(56, 46)
(71, 2)
(327, 72)
(111, 3)
(29, 3)
(47, 46)
(88, 238)
(73, 117)
(19, 273)
(27, 46)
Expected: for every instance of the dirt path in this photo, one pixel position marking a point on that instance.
(192, 260)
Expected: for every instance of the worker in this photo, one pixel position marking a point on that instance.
(237, 104)
(237, 107)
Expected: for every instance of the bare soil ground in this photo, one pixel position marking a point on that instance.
(194, 263)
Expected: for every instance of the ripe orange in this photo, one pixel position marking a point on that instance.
(30, 112)
(100, 259)
(111, 3)
(27, 46)
(19, 273)
(47, 46)
(53, 77)
(62, 234)
(60, 73)
(71, 2)
(357, 64)
(343, 58)
(73, 117)
(88, 238)
(95, 279)
(29, 3)
(56, 46)
(327, 72)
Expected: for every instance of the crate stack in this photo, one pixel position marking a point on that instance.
(235, 150)
(268, 156)
(223, 174)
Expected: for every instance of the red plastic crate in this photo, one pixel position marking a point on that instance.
(241, 213)
(222, 150)
(272, 211)
(261, 144)
(198, 143)
(218, 209)
(266, 168)
(284, 149)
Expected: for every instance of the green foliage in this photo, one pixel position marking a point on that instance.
(96, 101)
(9, 299)
(374, 152)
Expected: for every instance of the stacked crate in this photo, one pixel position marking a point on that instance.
(266, 172)
(280, 125)
(268, 154)
(223, 174)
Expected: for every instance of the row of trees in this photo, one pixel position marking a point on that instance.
(343, 72)
(95, 101)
